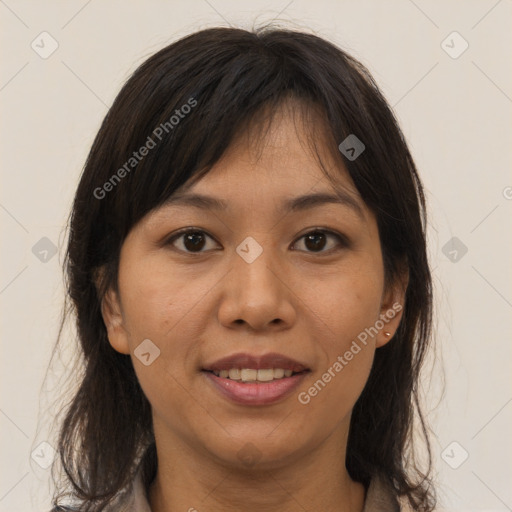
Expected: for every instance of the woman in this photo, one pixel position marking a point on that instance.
(248, 269)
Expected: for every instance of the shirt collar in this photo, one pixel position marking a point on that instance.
(379, 497)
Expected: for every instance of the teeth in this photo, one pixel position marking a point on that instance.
(248, 375)
(278, 373)
(234, 374)
(251, 375)
(265, 375)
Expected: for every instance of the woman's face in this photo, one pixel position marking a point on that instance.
(305, 284)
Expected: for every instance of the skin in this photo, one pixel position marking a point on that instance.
(306, 303)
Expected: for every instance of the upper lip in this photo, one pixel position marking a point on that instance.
(262, 362)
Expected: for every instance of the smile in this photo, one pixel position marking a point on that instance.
(253, 375)
(251, 379)
(254, 392)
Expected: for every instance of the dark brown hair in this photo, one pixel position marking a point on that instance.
(229, 76)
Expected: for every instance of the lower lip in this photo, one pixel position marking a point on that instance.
(256, 393)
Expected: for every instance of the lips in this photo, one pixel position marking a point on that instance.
(255, 380)
(255, 393)
(244, 360)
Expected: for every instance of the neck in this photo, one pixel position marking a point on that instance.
(193, 482)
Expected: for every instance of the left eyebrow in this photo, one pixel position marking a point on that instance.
(299, 203)
(308, 201)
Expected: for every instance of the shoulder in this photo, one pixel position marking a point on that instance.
(132, 498)
(380, 497)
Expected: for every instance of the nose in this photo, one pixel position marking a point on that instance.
(257, 295)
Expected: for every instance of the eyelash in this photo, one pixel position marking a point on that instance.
(342, 239)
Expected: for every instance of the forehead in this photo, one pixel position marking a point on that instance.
(289, 153)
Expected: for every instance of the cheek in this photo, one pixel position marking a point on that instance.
(160, 306)
(348, 304)
(170, 309)
(156, 300)
(347, 300)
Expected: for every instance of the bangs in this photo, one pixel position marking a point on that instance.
(197, 102)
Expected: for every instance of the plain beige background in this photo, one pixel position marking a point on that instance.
(454, 105)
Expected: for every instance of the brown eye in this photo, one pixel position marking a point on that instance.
(192, 240)
(316, 241)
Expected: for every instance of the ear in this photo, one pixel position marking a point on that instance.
(112, 314)
(392, 307)
(113, 318)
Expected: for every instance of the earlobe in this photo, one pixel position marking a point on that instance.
(392, 308)
(391, 319)
(113, 319)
